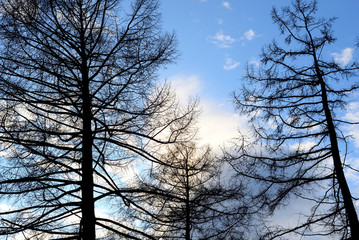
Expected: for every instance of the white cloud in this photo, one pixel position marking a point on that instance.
(254, 62)
(352, 115)
(230, 64)
(352, 175)
(249, 35)
(221, 40)
(304, 146)
(203, 0)
(216, 124)
(344, 57)
(5, 207)
(185, 86)
(220, 21)
(226, 4)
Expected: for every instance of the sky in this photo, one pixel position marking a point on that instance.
(217, 38)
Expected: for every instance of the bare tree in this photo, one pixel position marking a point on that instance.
(79, 103)
(299, 147)
(191, 199)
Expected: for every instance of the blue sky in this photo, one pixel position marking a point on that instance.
(217, 38)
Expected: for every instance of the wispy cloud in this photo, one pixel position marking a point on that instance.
(254, 61)
(344, 57)
(352, 115)
(226, 5)
(219, 21)
(185, 86)
(221, 40)
(249, 35)
(230, 64)
(304, 146)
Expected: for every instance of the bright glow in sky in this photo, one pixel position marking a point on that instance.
(217, 38)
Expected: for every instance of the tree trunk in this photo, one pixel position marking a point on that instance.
(188, 209)
(87, 203)
(338, 168)
(88, 228)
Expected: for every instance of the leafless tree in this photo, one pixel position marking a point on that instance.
(299, 148)
(79, 103)
(192, 199)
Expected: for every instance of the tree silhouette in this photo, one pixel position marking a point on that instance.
(79, 103)
(194, 199)
(293, 98)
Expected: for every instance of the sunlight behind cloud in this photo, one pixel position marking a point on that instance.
(216, 124)
(185, 86)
